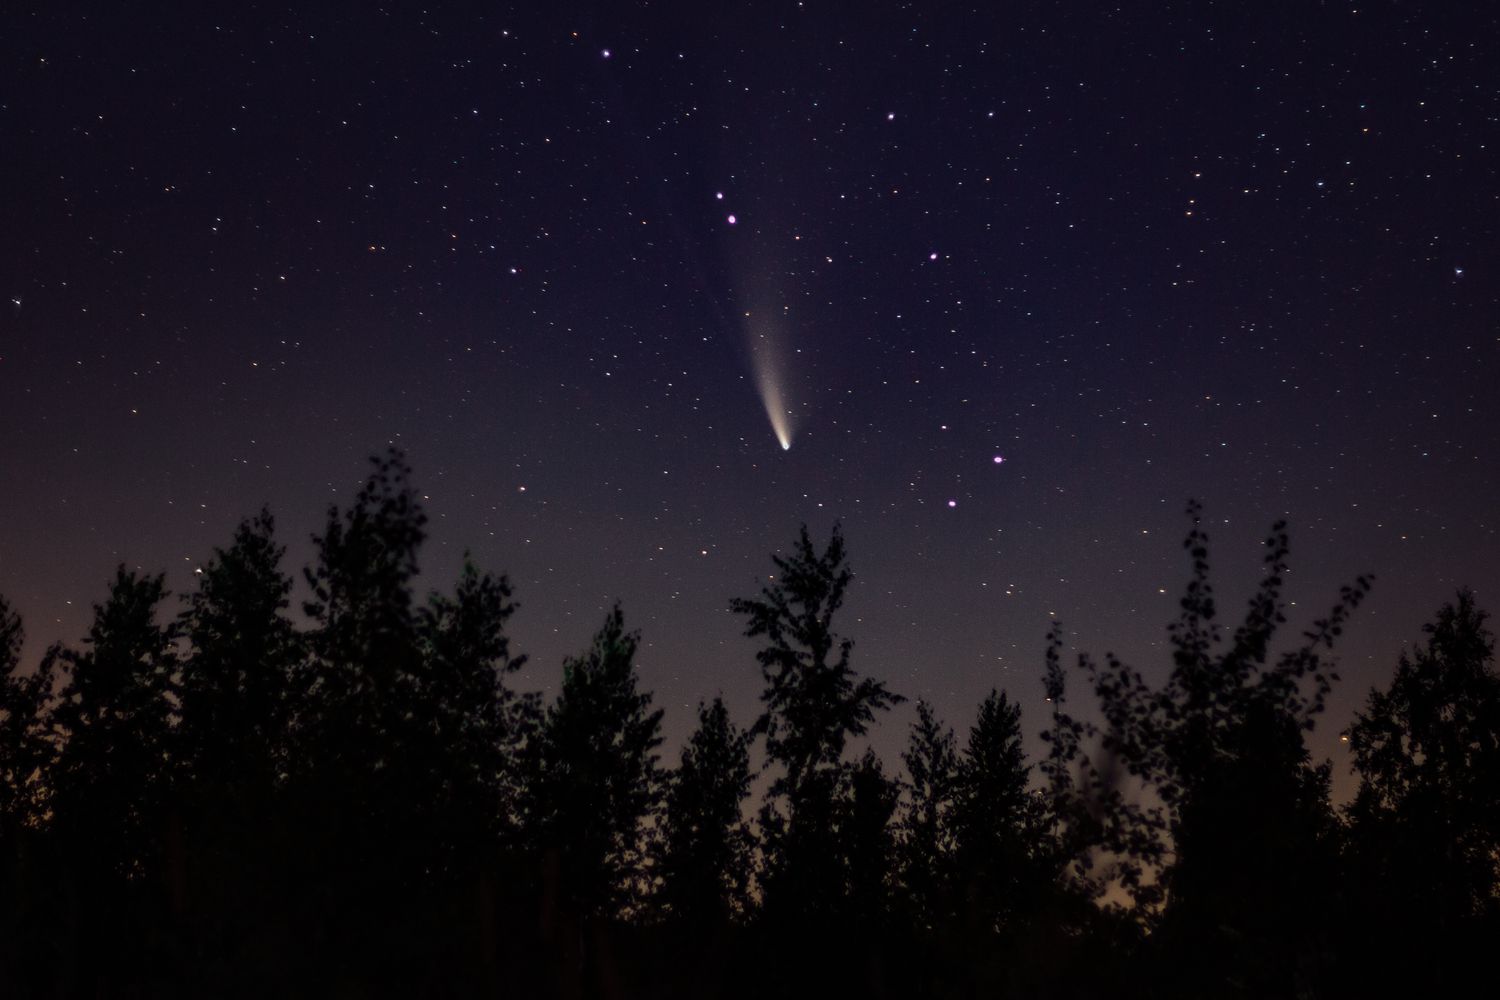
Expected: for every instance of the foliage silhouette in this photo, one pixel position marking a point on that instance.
(231, 802)
(813, 703)
(1241, 836)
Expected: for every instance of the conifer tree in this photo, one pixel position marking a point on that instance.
(478, 724)
(929, 873)
(243, 654)
(114, 712)
(1000, 843)
(594, 778)
(705, 842)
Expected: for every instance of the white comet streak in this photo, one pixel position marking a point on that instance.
(770, 395)
(766, 359)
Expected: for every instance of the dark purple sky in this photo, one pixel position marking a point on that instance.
(1242, 252)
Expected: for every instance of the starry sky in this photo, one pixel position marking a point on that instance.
(1013, 281)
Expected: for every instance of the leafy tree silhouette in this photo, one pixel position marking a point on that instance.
(818, 819)
(705, 844)
(1425, 824)
(1244, 823)
(813, 702)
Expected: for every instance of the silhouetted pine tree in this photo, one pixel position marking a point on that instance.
(361, 780)
(930, 873)
(478, 723)
(704, 847)
(243, 652)
(365, 647)
(112, 782)
(232, 744)
(595, 780)
(1425, 825)
(1000, 843)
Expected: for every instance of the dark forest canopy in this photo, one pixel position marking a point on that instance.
(203, 799)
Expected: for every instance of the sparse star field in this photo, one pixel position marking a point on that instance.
(642, 288)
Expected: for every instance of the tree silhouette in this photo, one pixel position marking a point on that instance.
(25, 750)
(226, 804)
(1221, 746)
(813, 703)
(478, 723)
(1425, 825)
(244, 650)
(594, 778)
(112, 778)
(813, 699)
(1000, 843)
(929, 868)
(229, 840)
(705, 843)
(363, 775)
(115, 710)
(26, 753)
(867, 834)
(365, 648)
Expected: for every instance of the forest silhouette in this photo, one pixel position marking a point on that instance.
(206, 798)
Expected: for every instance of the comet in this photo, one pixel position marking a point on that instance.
(765, 359)
(776, 411)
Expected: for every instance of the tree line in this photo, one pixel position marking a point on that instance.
(213, 800)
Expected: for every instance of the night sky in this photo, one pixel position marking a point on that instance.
(1014, 280)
